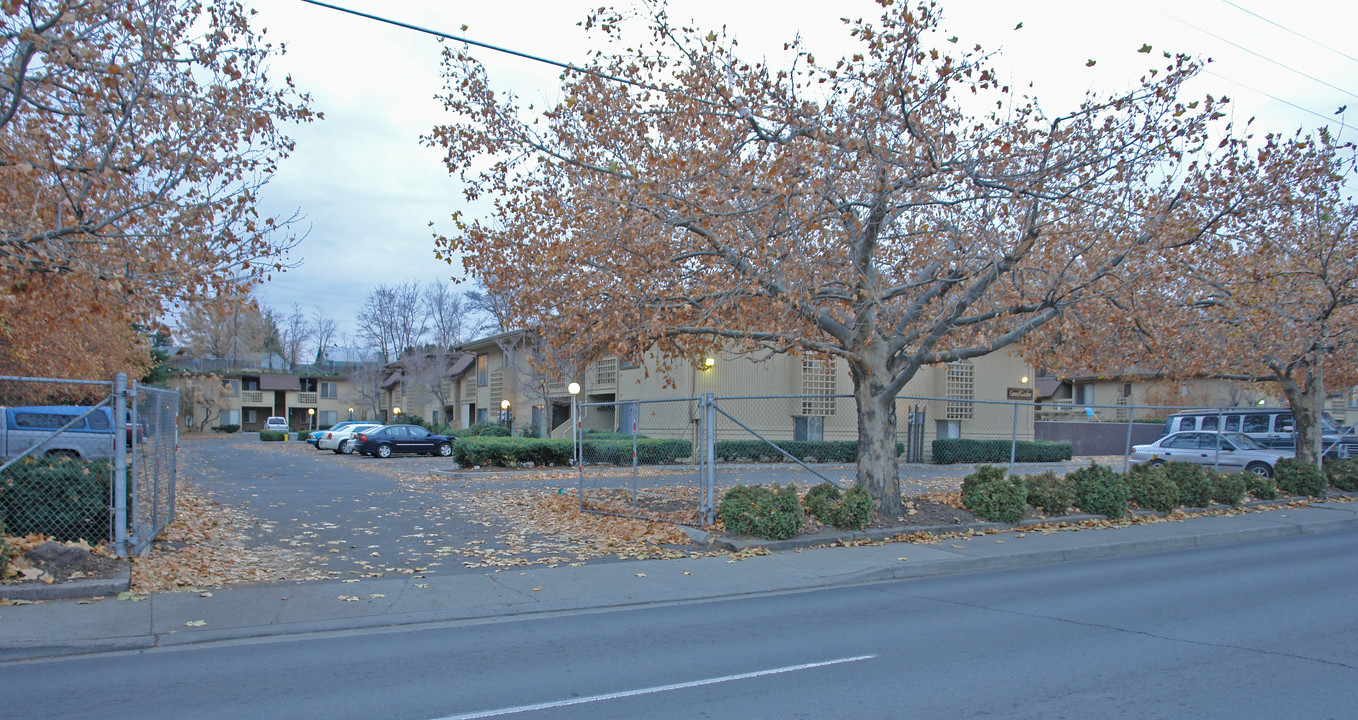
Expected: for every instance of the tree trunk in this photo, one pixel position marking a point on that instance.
(1303, 396)
(877, 472)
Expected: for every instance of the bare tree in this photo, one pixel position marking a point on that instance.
(364, 385)
(295, 333)
(447, 313)
(323, 328)
(494, 309)
(393, 319)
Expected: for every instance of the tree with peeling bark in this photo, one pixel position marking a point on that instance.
(134, 137)
(1271, 297)
(898, 208)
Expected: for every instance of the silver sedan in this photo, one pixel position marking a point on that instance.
(342, 441)
(1226, 452)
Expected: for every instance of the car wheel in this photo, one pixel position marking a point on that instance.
(1260, 469)
(344, 447)
(1157, 463)
(384, 451)
(444, 449)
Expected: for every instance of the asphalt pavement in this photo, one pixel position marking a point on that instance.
(67, 627)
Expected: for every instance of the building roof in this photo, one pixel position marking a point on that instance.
(279, 382)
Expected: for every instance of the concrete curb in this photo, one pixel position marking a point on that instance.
(71, 590)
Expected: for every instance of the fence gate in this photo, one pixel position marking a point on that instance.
(87, 460)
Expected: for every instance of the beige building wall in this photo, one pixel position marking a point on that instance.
(248, 399)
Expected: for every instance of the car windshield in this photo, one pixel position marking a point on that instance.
(1244, 442)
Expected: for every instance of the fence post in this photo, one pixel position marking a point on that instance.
(1013, 442)
(709, 470)
(1127, 447)
(636, 412)
(120, 465)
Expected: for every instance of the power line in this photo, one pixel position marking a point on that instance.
(1289, 103)
(1307, 38)
(1256, 54)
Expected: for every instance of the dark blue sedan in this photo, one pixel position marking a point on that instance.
(391, 439)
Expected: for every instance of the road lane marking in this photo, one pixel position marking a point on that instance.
(651, 690)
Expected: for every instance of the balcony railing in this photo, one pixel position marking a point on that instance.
(252, 397)
(306, 398)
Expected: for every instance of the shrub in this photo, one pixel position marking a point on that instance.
(5, 552)
(1229, 489)
(479, 430)
(493, 451)
(1150, 488)
(961, 450)
(272, 436)
(617, 450)
(1342, 474)
(1259, 487)
(828, 451)
(990, 494)
(851, 510)
(1099, 490)
(1195, 489)
(1051, 493)
(1299, 478)
(758, 511)
(225, 428)
(66, 498)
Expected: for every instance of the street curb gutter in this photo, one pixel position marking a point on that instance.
(70, 590)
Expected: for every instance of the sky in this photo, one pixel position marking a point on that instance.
(373, 195)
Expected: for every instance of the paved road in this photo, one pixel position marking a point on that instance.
(1258, 630)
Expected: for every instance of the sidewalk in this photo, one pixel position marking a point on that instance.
(67, 627)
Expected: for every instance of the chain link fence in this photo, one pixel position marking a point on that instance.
(86, 460)
(665, 460)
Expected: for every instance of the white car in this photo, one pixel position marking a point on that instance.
(1227, 452)
(341, 441)
(276, 423)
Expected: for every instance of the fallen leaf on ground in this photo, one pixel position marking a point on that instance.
(195, 623)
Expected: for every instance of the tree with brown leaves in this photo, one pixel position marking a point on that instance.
(134, 136)
(1272, 297)
(897, 208)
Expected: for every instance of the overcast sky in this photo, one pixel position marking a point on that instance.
(374, 196)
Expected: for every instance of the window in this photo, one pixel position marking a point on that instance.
(249, 383)
(808, 429)
(1084, 394)
(1283, 423)
(97, 421)
(482, 370)
(330, 390)
(481, 415)
(1232, 423)
(251, 417)
(434, 417)
(230, 417)
(1256, 423)
(961, 390)
(1209, 423)
(327, 417)
(818, 388)
(308, 385)
(232, 389)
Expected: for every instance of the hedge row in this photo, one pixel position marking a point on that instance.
(826, 451)
(515, 451)
(964, 450)
(63, 497)
(1097, 489)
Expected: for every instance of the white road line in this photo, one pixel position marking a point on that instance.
(651, 690)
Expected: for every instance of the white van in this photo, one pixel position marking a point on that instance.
(1271, 427)
(89, 432)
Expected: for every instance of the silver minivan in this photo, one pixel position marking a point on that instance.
(1271, 427)
(276, 423)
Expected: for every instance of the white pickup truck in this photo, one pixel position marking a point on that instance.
(90, 437)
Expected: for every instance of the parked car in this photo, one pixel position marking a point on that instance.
(388, 440)
(1227, 452)
(313, 437)
(341, 441)
(90, 435)
(276, 423)
(1271, 427)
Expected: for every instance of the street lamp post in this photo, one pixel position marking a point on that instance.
(351, 413)
(311, 418)
(396, 413)
(574, 390)
(506, 417)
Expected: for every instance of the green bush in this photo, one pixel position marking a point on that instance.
(1260, 488)
(1342, 474)
(1299, 478)
(851, 510)
(962, 450)
(826, 451)
(1150, 488)
(1195, 489)
(493, 451)
(225, 428)
(479, 430)
(1229, 489)
(1051, 493)
(989, 494)
(5, 552)
(1099, 490)
(66, 498)
(758, 511)
(272, 436)
(617, 450)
